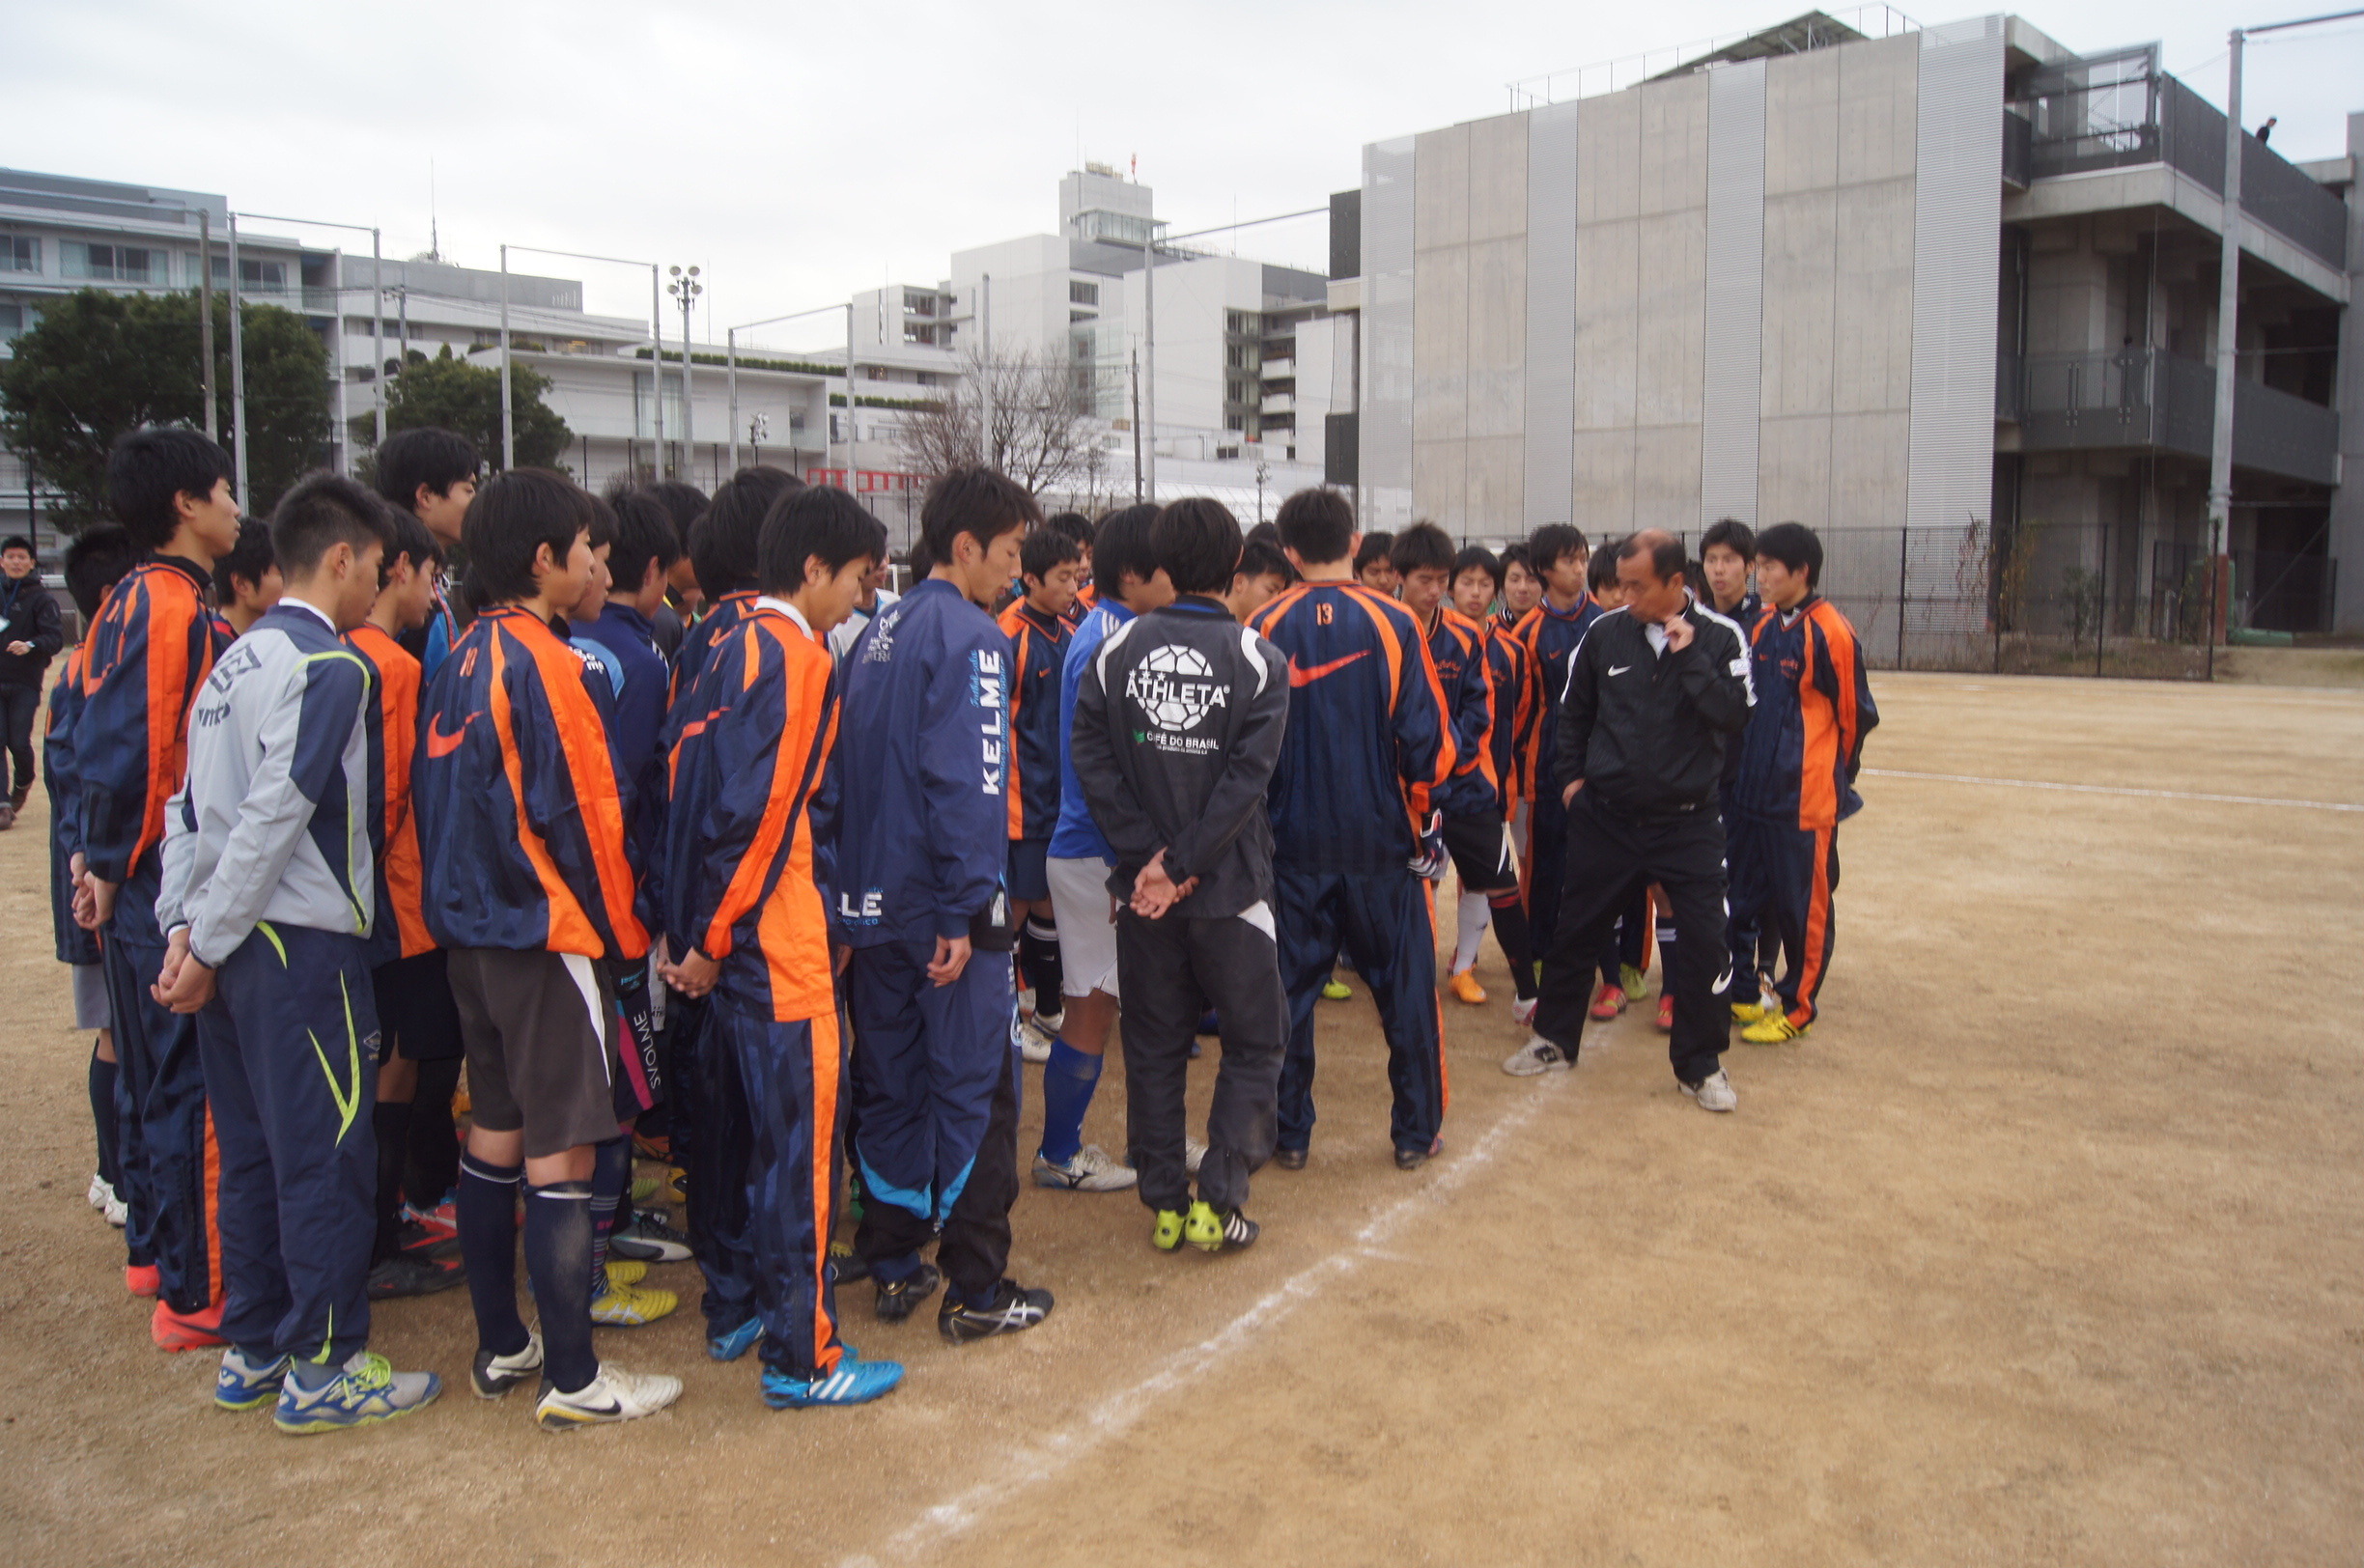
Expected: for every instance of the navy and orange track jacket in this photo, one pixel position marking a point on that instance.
(1038, 650)
(1510, 675)
(392, 717)
(1550, 637)
(1456, 644)
(696, 644)
(74, 945)
(1805, 736)
(1368, 736)
(520, 815)
(750, 893)
(153, 646)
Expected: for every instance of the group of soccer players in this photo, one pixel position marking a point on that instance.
(664, 818)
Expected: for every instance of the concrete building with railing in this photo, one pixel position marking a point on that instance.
(1953, 289)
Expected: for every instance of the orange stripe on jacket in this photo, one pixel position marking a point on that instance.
(171, 616)
(591, 773)
(747, 879)
(1014, 625)
(397, 706)
(794, 929)
(569, 928)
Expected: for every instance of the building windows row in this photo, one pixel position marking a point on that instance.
(19, 253)
(1080, 293)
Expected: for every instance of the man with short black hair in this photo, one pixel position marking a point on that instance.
(246, 581)
(431, 474)
(1037, 627)
(31, 633)
(1373, 568)
(1655, 691)
(1559, 558)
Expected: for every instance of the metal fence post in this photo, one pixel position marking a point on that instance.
(1903, 562)
(2209, 628)
(2102, 601)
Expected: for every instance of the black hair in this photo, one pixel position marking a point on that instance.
(96, 561)
(250, 558)
(1795, 546)
(436, 458)
(1550, 543)
(1478, 558)
(323, 511)
(1317, 523)
(975, 500)
(518, 512)
(1262, 558)
(1516, 554)
(1601, 570)
(810, 520)
(1075, 525)
(1198, 542)
(1423, 547)
(19, 541)
(724, 539)
(917, 559)
(1376, 549)
(410, 538)
(645, 532)
(684, 502)
(151, 468)
(1046, 549)
(1122, 548)
(1733, 535)
(603, 523)
(1668, 558)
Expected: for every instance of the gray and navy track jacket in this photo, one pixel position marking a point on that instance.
(273, 823)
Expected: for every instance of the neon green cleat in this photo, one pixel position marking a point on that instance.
(1210, 1231)
(1336, 991)
(1772, 1030)
(1636, 985)
(1169, 1232)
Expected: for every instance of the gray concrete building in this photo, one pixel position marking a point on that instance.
(1948, 294)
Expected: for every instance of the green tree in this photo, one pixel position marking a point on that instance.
(100, 364)
(451, 393)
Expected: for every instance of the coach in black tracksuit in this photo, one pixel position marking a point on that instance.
(1656, 692)
(1177, 727)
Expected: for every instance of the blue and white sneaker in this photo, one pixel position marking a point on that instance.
(854, 1382)
(366, 1391)
(729, 1347)
(247, 1384)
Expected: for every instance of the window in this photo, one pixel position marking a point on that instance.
(1083, 294)
(918, 304)
(1227, 454)
(256, 275)
(12, 322)
(1233, 422)
(115, 263)
(19, 253)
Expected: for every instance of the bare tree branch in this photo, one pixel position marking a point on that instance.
(1042, 432)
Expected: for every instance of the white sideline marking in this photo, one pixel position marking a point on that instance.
(1029, 1466)
(2115, 789)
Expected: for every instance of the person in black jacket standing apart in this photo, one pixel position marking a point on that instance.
(1655, 693)
(31, 633)
(1178, 728)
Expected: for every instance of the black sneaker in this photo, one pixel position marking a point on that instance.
(1013, 1308)
(418, 1240)
(1289, 1159)
(1414, 1159)
(648, 1237)
(405, 1273)
(895, 1302)
(845, 1265)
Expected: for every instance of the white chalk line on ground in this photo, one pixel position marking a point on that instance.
(1032, 1465)
(2117, 789)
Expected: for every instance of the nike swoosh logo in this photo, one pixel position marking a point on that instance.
(1299, 677)
(1619, 669)
(440, 745)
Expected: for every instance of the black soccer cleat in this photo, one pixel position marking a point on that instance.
(896, 1301)
(1289, 1159)
(1012, 1309)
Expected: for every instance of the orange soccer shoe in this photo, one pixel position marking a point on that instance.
(186, 1331)
(1608, 1002)
(1665, 1014)
(1466, 989)
(142, 1280)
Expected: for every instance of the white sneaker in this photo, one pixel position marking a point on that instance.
(1051, 1019)
(1713, 1093)
(1091, 1170)
(614, 1395)
(1192, 1153)
(1536, 1057)
(103, 1198)
(1523, 1012)
(1033, 1041)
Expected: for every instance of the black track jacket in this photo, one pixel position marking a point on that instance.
(1646, 732)
(1178, 723)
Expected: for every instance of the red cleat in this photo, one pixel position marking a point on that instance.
(142, 1278)
(186, 1331)
(1665, 1014)
(1608, 1002)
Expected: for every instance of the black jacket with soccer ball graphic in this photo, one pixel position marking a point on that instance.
(1178, 723)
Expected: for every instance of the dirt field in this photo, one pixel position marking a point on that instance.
(2042, 1248)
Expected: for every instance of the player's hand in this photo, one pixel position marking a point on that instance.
(693, 976)
(20, 648)
(1154, 891)
(94, 903)
(1429, 863)
(184, 984)
(951, 958)
(1679, 632)
(839, 957)
(1568, 797)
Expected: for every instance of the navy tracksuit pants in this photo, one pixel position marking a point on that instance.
(166, 1135)
(1784, 876)
(712, 1138)
(935, 1095)
(290, 1042)
(1385, 926)
(1546, 866)
(791, 1080)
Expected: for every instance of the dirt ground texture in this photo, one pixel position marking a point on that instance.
(2041, 1247)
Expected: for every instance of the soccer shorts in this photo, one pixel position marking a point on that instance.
(540, 1032)
(90, 996)
(1084, 908)
(1482, 853)
(1030, 877)
(415, 1011)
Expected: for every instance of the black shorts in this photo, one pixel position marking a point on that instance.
(417, 1017)
(1482, 854)
(540, 1029)
(1029, 875)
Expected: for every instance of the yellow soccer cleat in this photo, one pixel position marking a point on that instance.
(1772, 1030)
(631, 1306)
(626, 1272)
(1747, 1012)
(1636, 984)
(1336, 991)
(1466, 989)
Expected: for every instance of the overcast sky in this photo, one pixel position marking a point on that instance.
(798, 152)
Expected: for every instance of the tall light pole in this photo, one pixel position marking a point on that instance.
(508, 415)
(730, 353)
(337, 295)
(237, 374)
(685, 289)
(985, 380)
(204, 316)
(656, 336)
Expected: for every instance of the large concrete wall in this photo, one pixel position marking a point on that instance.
(1469, 409)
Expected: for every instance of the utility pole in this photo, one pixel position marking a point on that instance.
(686, 288)
(985, 375)
(508, 423)
(237, 374)
(849, 431)
(1149, 340)
(205, 318)
(377, 294)
(1137, 440)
